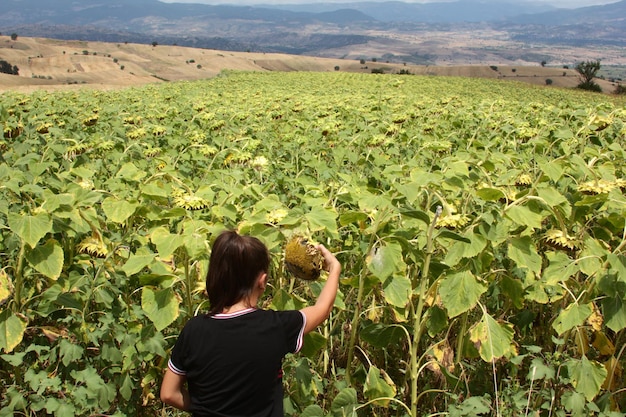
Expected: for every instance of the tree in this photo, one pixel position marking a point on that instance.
(587, 71)
(13, 36)
(7, 68)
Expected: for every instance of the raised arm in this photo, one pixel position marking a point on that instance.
(317, 313)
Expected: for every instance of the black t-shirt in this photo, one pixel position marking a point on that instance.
(233, 362)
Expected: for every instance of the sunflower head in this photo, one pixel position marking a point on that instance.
(94, 246)
(303, 259)
(561, 240)
(452, 221)
(190, 201)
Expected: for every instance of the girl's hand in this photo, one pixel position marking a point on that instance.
(330, 261)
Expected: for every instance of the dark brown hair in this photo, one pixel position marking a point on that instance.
(235, 264)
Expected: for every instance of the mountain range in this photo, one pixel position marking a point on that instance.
(314, 28)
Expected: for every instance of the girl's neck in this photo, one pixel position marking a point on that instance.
(241, 305)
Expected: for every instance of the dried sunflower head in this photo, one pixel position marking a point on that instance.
(303, 259)
(190, 202)
(600, 186)
(452, 221)
(94, 246)
(561, 240)
(524, 179)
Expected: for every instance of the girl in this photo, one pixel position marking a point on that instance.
(228, 362)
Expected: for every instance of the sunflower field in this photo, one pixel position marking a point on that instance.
(480, 224)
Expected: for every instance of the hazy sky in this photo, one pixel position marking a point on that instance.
(555, 3)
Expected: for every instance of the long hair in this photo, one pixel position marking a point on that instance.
(235, 264)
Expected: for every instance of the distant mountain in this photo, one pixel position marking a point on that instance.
(435, 12)
(304, 28)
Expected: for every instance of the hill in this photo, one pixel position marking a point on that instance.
(492, 32)
(54, 64)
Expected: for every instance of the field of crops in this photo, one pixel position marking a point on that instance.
(481, 226)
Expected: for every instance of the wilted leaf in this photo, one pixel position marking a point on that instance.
(495, 339)
(12, 329)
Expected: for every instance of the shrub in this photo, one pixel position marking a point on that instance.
(493, 67)
(7, 68)
(620, 89)
(590, 86)
(548, 81)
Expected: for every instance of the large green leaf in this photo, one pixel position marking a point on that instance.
(524, 216)
(460, 292)
(559, 269)
(137, 262)
(323, 218)
(522, 250)
(161, 306)
(397, 290)
(30, 228)
(313, 410)
(118, 211)
(166, 242)
(614, 312)
(587, 376)
(573, 315)
(47, 259)
(495, 339)
(344, 403)
(378, 385)
(384, 260)
(12, 328)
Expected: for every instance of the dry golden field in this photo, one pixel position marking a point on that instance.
(53, 64)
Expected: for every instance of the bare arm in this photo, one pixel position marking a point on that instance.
(317, 313)
(174, 392)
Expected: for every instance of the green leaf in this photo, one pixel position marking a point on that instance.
(166, 242)
(524, 216)
(313, 410)
(30, 228)
(397, 290)
(69, 352)
(12, 328)
(460, 292)
(118, 211)
(495, 339)
(161, 306)
(322, 218)
(449, 234)
(313, 343)
(574, 315)
(587, 376)
(136, 263)
(559, 269)
(344, 403)
(377, 386)
(47, 259)
(384, 260)
(614, 312)
(465, 249)
(523, 252)
(382, 335)
(490, 194)
(130, 172)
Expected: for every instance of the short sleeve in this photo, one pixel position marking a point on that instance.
(293, 322)
(176, 362)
